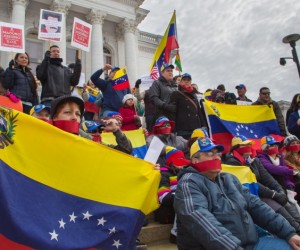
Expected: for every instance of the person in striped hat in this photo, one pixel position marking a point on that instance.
(175, 160)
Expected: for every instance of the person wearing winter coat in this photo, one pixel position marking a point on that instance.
(131, 120)
(215, 211)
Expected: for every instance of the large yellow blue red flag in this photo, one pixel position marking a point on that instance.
(136, 137)
(167, 44)
(61, 191)
(226, 121)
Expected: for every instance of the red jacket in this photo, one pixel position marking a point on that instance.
(128, 114)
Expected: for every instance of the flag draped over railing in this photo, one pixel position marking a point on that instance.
(163, 52)
(61, 191)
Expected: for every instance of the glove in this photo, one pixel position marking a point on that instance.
(137, 121)
(169, 107)
(138, 83)
(11, 64)
(281, 198)
(47, 55)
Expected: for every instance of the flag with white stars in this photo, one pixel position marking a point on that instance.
(226, 121)
(120, 80)
(72, 193)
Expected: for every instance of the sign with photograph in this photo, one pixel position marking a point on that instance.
(50, 27)
(81, 34)
(12, 37)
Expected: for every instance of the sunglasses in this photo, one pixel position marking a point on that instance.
(265, 93)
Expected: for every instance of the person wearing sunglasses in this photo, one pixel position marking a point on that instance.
(215, 211)
(265, 99)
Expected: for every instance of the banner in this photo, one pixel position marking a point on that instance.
(12, 37)
(61, 191)
(50, 27)
(81, 34)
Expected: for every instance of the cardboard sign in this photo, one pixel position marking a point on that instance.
(50, 27)
(12, 37)
(81, 34)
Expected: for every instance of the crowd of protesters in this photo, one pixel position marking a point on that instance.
(208, 209)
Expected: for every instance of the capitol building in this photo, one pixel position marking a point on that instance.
(115, 39)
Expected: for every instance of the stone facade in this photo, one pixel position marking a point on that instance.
(115, 38)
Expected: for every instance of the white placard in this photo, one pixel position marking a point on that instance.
(50, 27)
(238, 102)
(81, 34)
(146, 82)
(12, 37)
(154, 150)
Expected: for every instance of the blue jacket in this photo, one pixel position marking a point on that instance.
(221, 214)
(293, 127)
(21, 84)
(112, 99)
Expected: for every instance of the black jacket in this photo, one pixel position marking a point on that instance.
(189, 115)
(21, 84)
(57, 79)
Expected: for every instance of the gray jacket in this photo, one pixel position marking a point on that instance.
(221, 214)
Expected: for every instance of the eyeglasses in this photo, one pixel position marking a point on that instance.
(265, 93)
(211, 154)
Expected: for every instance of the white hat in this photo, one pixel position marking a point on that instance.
(128, 96)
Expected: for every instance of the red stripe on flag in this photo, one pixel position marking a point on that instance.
(6, 244)
(121, 86)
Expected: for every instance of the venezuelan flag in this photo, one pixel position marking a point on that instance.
(120, 80)
(171, 43)
(61, 191)
(226, 121)
(136, 137)
(245, 176)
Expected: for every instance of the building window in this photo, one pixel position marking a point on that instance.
(35, 52)
(107, 58)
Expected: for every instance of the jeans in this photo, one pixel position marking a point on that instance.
(271, 243)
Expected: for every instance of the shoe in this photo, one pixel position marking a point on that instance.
(140, 245)
(173, 239)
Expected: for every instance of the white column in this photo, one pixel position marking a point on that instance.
(18, 11)
(121, 47)
(96, 17)
(62, 6)
(129, 28)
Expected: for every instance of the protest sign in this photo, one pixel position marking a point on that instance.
(81, 34)
(50, 27)
(12, 37)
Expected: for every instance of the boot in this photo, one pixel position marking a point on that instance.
(289, 218)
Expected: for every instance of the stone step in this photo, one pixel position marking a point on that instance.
(155, 233)
(162, 246)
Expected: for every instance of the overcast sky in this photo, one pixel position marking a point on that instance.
(233, 41)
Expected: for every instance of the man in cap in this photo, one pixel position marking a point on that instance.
(112, 99)
(214, 211)
(161, 90)
(188, 113)
(265, 99)
(40, 111)
(241, 91)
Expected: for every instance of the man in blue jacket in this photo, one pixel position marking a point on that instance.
(214, 211)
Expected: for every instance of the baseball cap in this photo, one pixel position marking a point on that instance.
(166, 65)
(161, 120)
(38, 108)
(89, 126)
(204, 145)
(175, 156)
(199, 133)
(115, 68)
(268, 140)
(240, 140)
(186, 75)
(241, 86)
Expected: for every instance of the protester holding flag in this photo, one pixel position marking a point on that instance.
(269, 190)
(265, 99)
(112, 95)
(161, 91)
(214, 211)
(188, 114)
(56, 79)
(19, 80)
(91, 97)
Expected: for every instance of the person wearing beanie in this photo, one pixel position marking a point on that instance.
(163, 129)
(188, 114)
(66, 114)
(269, 190)
(131, 120)
(175, 160)
(215, 211)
